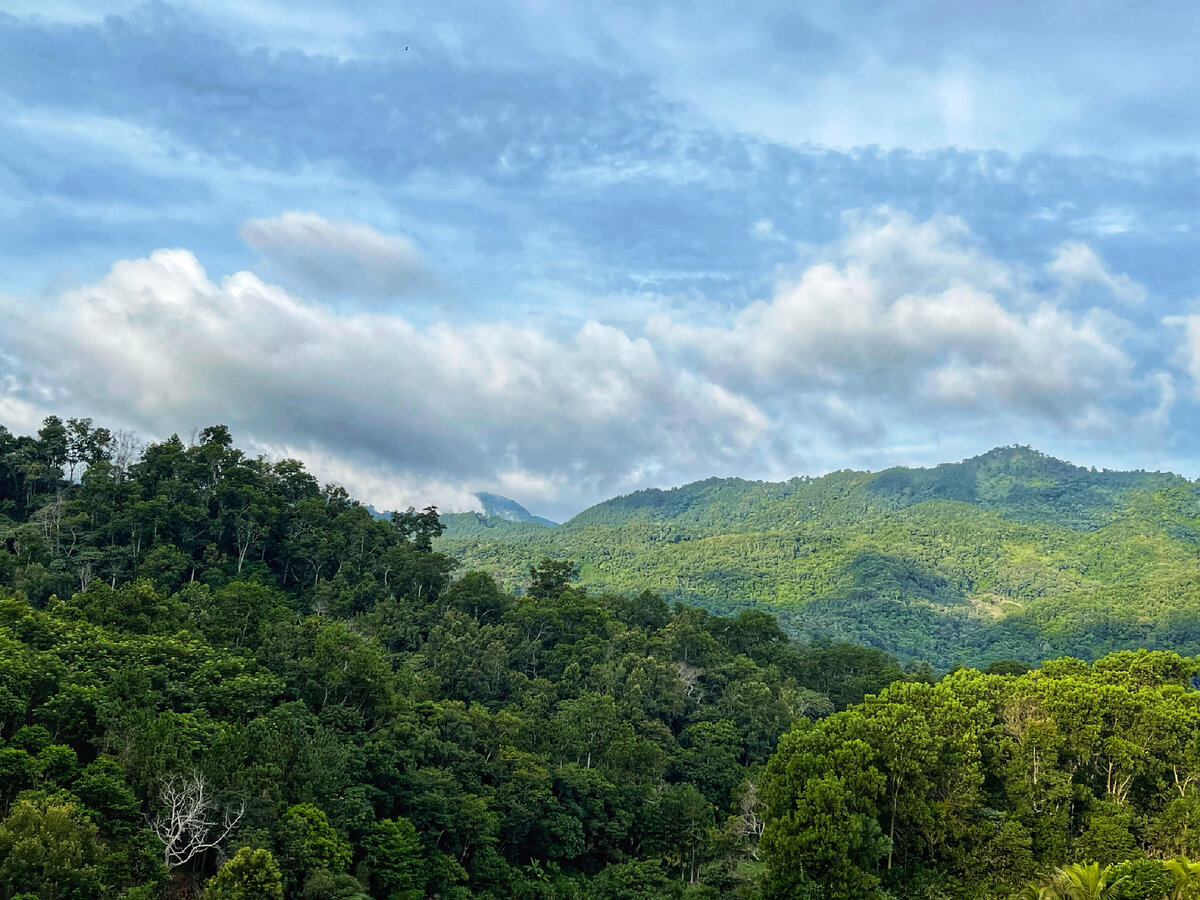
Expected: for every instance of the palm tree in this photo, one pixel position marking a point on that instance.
(1078, 881)
(1187, 877)
(1038, 891)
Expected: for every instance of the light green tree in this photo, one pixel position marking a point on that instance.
(48, 847)
(1078, 881)
(308, 843)
(250, 875)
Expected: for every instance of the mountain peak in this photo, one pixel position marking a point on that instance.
(495, 506)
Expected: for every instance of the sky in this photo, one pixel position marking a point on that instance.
(563, 251)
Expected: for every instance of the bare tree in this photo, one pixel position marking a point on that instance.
(126, 450)
(747, 824)
(247, 531)
(189, 823)
(690, 676)
(85, 574)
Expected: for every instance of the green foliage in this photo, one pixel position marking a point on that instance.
(250, 875)
(635, 881)
(964, 787)
(1010, 555)
(382, 727)
(309, 843)
(1141, 879)
(389, 730)
(549, 578)
(394, 858)
(49, 847)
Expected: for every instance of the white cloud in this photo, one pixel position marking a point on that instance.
(338, 257)
(764, 229)
(1189, 351)
(916, 313)
(444, 411)
(17, 415)
(902, 329)
(377, 482)
(1077, 265)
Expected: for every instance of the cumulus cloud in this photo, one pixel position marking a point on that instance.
(917, 313)
(343, 258)
(901, 330)
(160, 345)
(1076, 265)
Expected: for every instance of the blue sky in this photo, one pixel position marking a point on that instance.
(562, 251)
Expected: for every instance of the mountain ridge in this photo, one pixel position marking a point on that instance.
(1010, 553)
(930, 478)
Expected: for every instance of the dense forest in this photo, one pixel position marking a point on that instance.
(221, 679)
(1012, 554)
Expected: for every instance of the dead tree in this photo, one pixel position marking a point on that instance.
(189, 823)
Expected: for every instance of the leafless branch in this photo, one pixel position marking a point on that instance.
(189, 823)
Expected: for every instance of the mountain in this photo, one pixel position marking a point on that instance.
(500, 516)
(1010, 554)
(497, 507)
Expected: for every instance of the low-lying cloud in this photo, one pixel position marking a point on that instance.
(1076, 265)
(903, 328)
(160, 345)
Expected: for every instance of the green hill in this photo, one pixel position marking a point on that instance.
(1011, 554)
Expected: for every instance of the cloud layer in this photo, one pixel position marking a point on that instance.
(488, 404)
(901, 321)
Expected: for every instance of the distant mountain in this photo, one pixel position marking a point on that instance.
(498, 513)
(497, 507)
(500, 517)
(1010, 554)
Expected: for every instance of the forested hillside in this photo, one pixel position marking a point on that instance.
(1011, 554)
(221, 679)
(217, 675)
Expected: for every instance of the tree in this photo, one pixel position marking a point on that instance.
(644, 880)
(1141, 879)
(822, 838)
(1186, 877)
(477, 595)
(549, 578)
(85, 444)
(48, 846)
(308, 843)
(188, 824)
(1078, 881)
(250, 875)
(586, 726)
(108, 798)
(326, 885)
(419, 527)
(680, 823)
(395, 860)
(710, 760)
